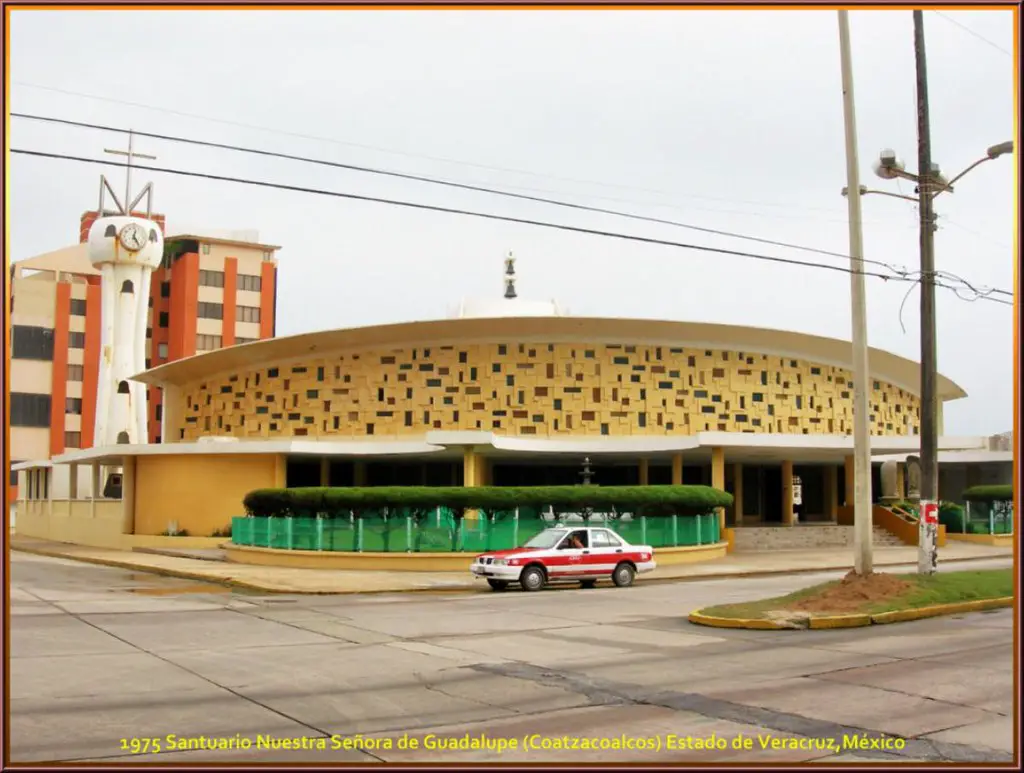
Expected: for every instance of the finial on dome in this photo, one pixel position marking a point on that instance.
(510, 276)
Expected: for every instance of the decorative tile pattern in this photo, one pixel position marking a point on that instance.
(535, 389)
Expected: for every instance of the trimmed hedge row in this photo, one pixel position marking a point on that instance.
(421, 500)
(997, 493)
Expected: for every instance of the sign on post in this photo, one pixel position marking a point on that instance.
(930, 512)
(798, 491)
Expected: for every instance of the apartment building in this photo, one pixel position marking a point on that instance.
(210, 292)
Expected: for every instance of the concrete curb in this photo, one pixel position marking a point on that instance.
(271, 589)
(906, 615)
(852, 621)
(737, 622)
(839, 621)
(228, 581)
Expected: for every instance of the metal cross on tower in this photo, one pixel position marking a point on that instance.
(129, 203)
(510, 276)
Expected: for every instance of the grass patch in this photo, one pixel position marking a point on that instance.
(876, 594)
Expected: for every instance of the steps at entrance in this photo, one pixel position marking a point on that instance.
(805, 537)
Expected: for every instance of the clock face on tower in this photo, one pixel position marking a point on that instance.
(133, 237)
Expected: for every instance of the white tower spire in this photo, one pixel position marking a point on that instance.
(125, 249)
(510, 276)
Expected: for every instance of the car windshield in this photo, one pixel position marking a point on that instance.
(546, 539)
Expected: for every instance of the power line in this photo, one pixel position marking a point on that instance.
(470, 213)
(421, 178)
(969, 31)
(439, 159)
(438, 181)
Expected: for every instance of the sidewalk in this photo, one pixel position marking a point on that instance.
(268, 579)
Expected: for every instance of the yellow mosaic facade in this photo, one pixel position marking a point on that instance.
(544, 390)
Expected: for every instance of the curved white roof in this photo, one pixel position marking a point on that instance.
(492, 308)
(507, 327)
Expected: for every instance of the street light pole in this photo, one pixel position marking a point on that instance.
(862, 515)
(927, 557)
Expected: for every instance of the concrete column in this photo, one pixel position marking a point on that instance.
(48, 476)
(737, 492)
(94, 490)
(128, 495)
(359, 473)
(644, 472)
(72, 481)
(280, 471)
(473, 472)
(787, 493)
(831, 480)
(718, 479)
(170, 415)
(470, 468)
(325, 471)
(851, 483)
(677, 469)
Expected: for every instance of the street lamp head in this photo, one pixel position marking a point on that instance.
(937, 175)
(888, 166)
(1001, 149)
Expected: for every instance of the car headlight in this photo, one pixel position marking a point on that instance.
(500, 562)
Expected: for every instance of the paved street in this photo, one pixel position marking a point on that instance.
(106, 662)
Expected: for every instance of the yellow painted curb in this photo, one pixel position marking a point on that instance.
(229, 581)
(906, 615)
(840, 621)
(735, 622)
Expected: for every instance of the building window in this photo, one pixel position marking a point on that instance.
(211, 278)
(78, 307)
(210, 310)
(267, 256)
(31, 343)
(206, 249)
(76, 373)
(161, 351)
(246, 340)
(29, 410)
(164, 319)
(76, 340)
(73, 405)
(247, 313)
(165, 289)
(249, 282)
(207, 343)
(72, 439)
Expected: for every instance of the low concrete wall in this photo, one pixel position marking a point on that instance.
(801, 537)
(74, 522)
(419, 562)
(995, 540)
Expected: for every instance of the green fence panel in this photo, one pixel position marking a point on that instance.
(441, 532)
(242, 530)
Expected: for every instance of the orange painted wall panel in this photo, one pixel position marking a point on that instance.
(184, 306)
(59, 378)
(230, 301)
(268, 299)
(91, 369)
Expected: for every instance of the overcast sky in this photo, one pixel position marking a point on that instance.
(726, 120)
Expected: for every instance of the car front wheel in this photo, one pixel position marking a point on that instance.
(532, 578)
(623, 575)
